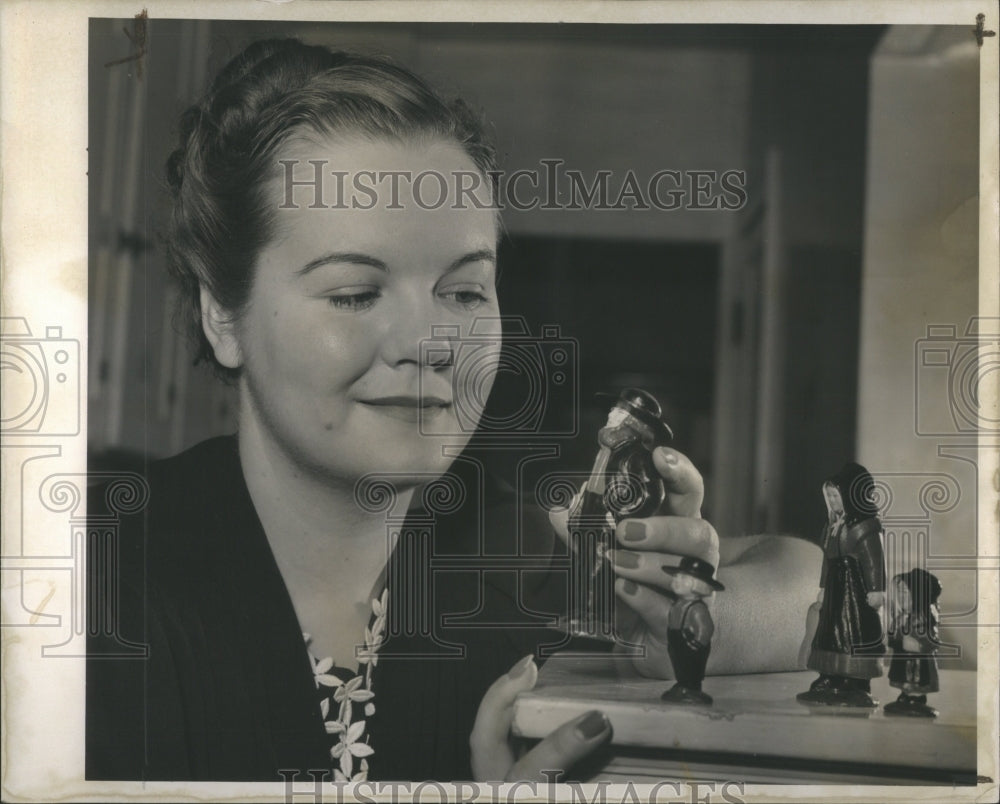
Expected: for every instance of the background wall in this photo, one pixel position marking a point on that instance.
(659, 299)
(778, 352)
(919, 362)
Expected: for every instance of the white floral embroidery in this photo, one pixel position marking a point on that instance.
(353, 742)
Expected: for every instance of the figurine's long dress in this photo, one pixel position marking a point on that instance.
(848, 638)
(914, 673)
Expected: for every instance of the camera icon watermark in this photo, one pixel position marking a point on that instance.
(537, 377)
(41, 381)
(950, 369)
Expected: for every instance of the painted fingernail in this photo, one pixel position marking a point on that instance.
(634, 531)
(593, 724)
(630, 587)
(626, 559)
(520, 668)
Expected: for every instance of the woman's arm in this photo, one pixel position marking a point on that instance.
(760, 619)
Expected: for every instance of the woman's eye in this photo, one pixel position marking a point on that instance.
(360, 300)
(468, 298)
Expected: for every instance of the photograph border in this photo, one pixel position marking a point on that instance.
(43, 54)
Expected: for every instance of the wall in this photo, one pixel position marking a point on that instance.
(920, 271)
(810, 94)
(640, 98)
(616, 98)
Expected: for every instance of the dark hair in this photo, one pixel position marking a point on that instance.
(925, 588)
(228, 148)
(857, 492)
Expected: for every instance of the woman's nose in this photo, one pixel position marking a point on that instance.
(438, 351)
(422, 334)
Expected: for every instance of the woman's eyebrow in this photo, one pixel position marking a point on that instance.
(357, 258)
(343, 257)
(482, 255)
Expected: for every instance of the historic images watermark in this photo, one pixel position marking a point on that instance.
(312, 786)
(546, 363)
(41, 381)
(318, 184)
(951, 365)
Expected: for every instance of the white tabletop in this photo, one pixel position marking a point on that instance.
(755, 716)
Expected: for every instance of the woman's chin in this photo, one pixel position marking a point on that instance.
(410, 464)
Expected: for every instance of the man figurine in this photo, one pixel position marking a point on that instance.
(847, 647)
(623, 484)
(689, 629)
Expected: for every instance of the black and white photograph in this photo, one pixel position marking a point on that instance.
(590, 402)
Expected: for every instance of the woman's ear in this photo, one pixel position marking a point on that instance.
(220, 329)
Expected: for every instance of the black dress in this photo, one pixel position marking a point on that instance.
(915, 673)
(848, 640)
(229, 691)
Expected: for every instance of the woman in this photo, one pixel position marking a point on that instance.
(847, 647)
(321, 273)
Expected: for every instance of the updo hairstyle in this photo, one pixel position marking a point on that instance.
(222, 215)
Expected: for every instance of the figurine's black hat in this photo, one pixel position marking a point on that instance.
(645, 407)
(697, 568)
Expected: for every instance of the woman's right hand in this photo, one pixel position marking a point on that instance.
(495, 754)
(645, 547)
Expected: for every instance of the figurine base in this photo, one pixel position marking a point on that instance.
(846, 699)
(839, 692)
(679, 694)
(907, 706)
(582, 628)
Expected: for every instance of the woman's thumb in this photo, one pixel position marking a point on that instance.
(489, 741)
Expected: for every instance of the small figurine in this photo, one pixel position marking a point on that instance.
(913, 637)
(689, 629)
(847, 645)
(623, 483)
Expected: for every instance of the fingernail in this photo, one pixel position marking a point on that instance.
(593, 724)
(630, 587)
(634, 531)
(670, 458)
(520, 668)
(626, 559)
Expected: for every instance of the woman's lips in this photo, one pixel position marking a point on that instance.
(408, 408)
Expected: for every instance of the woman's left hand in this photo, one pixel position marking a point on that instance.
(645, 546)
(495, 756)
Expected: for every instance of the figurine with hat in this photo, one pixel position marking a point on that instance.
(690, 629)
(623, 484)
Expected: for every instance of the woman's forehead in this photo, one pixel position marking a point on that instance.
(398, 171)
(372, 192)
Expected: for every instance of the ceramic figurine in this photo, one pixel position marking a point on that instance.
(623, 483)
(848, 644)
(689, 629)
(913, 637)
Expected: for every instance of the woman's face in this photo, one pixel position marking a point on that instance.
(902, 596)
(833, 499)
(339, 368)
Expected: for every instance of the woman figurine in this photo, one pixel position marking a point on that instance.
(847, 645)
(913, 637)
(331, 214)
